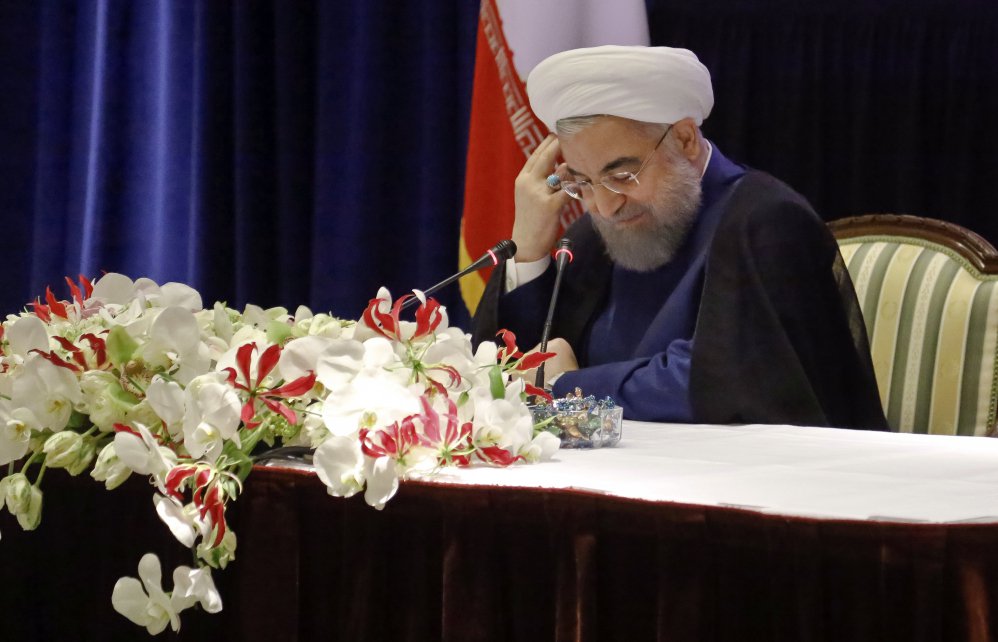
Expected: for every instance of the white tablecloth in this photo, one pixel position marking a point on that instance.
(790, 470)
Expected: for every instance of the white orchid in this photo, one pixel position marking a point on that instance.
(174, 344)
(320, 325)
(195, 586)
(301, 356)
(376, 396)
(47, 390)
(175, 295)
(339, 463)
(23, 499)
(105, 401)
(143, 600)
(15, 431)
(114, 289)
(184, 521)
(69, 450)
(382, 476)
(222, 323)
(132, 376)
(505, 422)
(137, 449)
(212, 415)
(27, 334)
(541, 448)
(109, 468)
(166, 398)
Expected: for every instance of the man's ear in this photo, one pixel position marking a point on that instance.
(688, 135)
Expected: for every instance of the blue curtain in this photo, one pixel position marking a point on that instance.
(269, 152)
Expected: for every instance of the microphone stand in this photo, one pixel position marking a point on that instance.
(499, 252)
(563, 256)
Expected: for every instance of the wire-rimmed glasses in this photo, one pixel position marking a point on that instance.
(618, 183)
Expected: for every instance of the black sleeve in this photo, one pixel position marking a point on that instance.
(780, 336)
(521, 311)
(583, 289)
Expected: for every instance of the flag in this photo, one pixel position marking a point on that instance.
(513, 36)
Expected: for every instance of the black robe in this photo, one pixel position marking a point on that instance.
(779, 337)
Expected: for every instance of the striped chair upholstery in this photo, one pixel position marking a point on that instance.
(929, 295)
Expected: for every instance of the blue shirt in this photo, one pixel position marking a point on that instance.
(639, 345)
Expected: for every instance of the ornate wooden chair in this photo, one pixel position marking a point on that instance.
(929, 294)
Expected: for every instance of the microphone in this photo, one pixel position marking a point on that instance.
(501, 251)
(563, 256)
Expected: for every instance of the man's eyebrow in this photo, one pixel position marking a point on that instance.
(616, 163)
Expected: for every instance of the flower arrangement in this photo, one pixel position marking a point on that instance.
(131, 377)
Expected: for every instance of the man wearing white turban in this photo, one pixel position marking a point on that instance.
(702, 291)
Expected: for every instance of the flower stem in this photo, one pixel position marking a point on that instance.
(251, 438)
(28, 463)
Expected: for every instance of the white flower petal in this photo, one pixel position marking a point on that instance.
(300, 356)
(220, 407)
(27, 334)
(339, 464)
(177, 329)
(172, 513)
(49, 391)
(382, 481)
(130, 599)
(339, 363)
(222, 323)
(181, 295)
(195, 585)
(487, 353)
(543, 447)
(302, 312)
(379, 352)
(114, 288)
(146, 289)
(142, 454)
(15, 431)
(166, 398)
(380, 394)
(150, 571)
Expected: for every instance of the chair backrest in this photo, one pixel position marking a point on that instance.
(929, 294)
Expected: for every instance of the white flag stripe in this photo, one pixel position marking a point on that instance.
(536, 29)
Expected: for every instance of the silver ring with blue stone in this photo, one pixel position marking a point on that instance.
(554, 181)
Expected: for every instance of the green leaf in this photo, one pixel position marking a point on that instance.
(278, 332)
(77, 420)
(120, 346)
(121, 396)
(496, 385)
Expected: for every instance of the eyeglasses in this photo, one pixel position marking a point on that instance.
(619, 183)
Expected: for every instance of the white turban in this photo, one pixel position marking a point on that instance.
(650, 84)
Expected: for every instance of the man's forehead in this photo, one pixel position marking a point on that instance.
(608, 143)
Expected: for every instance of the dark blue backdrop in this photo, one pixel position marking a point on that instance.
(308, 151)
(274, 152)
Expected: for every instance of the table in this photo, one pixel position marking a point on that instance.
(680, 533)
(785, 470)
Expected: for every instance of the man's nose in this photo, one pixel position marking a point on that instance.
(605, 203)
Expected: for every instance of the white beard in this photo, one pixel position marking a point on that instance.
(651, 243)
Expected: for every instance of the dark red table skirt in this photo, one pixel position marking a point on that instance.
(465, 563)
